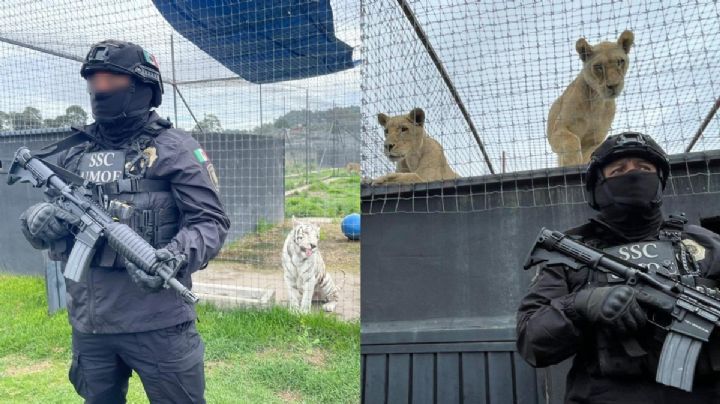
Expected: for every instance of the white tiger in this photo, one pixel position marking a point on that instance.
(305, 269)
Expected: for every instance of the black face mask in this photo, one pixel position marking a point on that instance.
(121, 113)
(630, 203)
(636, 189)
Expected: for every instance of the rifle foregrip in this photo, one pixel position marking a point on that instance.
(135, 249)
(130, 245)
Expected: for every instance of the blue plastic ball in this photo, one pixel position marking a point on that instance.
(350, 226)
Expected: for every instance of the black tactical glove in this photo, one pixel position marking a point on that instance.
(44, 222)
(612, 306)
(154, 283)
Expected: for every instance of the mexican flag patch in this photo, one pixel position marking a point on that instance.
(150, 58)
(200, 155)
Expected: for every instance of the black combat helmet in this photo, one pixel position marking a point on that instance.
(625, 144)
(125, 58)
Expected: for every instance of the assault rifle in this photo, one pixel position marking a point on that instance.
(692, 314)
(94, 222)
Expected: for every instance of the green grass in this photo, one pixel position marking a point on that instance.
(252, 356)
(297, 179)
(334, 199)
(263, 226)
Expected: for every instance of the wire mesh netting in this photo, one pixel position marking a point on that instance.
(269, 89)
(486, 74)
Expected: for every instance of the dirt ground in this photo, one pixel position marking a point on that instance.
(255, 262)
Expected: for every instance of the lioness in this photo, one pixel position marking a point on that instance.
(580, 118)
(417, 156)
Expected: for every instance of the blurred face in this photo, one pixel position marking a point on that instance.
(107, 82)
(625, 165)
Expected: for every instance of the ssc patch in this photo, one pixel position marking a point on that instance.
(101, 167)
(657, 256)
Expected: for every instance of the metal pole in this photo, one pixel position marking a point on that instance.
(704, 125)
(205, 81)
(446, 78)
(189, 110)
(261, 111)
(333, 131)
(307, 137)
(43, 50)
(172, 61)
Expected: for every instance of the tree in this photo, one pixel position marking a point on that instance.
(282, 123)
(76, 116)
(4, 121)
(30, 118)
(209, 124)
(52, 123)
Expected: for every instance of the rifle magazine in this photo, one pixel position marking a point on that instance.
(79, 261)
(677, 361)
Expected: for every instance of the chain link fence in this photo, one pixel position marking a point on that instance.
(271, 90)
(487, 73)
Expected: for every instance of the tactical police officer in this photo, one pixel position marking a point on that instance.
(160, 182)
(597, 318)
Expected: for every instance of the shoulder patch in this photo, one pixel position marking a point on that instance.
(695, 249)
(202, 158)
(151, 155)
(213, 177)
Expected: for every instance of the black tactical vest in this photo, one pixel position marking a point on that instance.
(117, 180)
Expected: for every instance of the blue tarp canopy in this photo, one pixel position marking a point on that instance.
(262, 41)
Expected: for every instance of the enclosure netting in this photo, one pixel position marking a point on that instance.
(281, 149)
(487, 73)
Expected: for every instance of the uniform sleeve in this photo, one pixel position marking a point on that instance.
(204, 224)
(546, 320)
